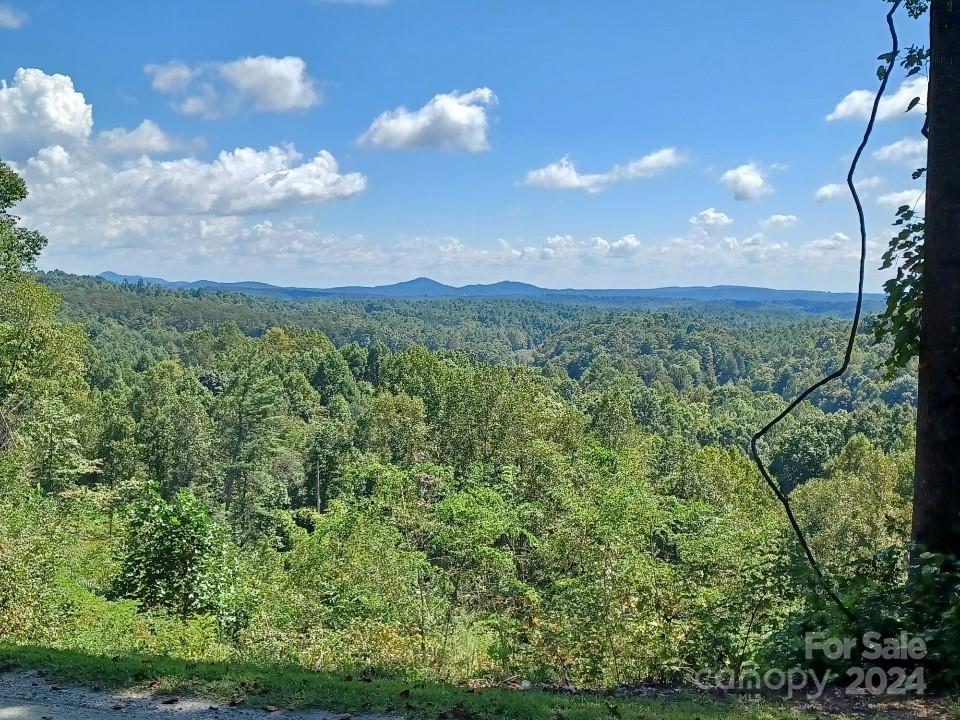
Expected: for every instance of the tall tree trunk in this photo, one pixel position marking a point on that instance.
(936, 511)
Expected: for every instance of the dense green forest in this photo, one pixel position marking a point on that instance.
(455, 488)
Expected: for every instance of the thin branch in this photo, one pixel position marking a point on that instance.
(836, 374)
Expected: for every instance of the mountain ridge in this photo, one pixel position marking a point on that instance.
(425, 287)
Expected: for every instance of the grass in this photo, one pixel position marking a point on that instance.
(294, 687)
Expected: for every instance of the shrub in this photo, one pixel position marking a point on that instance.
(175, 557)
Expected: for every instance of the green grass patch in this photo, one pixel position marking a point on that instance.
(294, 687)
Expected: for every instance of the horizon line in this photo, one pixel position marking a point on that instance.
(469, 285)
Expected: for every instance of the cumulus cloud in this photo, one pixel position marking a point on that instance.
(261, 83)
(649, 165)
(832, 242)
(563, 174)
(289, 243)
(145, 139)
(910, 150)
(188, 213)
(557, 250)
(835, 248)
(618, 248)
(710, 218)
(832, 191)
(778, 222)
(91, 198)
(746, 182)
(696, 250)
(914, 198)
(857, 104)
(205, 102)
(450, 120)
(170, 77)
(199, 245)
(40, 109)
(11, 18)
(273, 83)
(631, 260)
(754, 248)
(237, 182)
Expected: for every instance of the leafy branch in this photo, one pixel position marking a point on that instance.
(900, 319)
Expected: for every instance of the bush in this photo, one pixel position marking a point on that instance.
(30, 537)
(175, 557)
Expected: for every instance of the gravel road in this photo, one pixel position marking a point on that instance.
(31, 695)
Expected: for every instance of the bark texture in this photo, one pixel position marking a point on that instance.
(936, 514)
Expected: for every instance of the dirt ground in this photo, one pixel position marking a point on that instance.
(29, 695)
(33, 695)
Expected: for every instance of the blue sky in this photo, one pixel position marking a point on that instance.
(600, 144)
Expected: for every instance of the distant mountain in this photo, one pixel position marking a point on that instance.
(133, 279)
(424, 287)
(418, 287)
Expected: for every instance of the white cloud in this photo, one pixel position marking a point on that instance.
(289, 243)
(834, 241)
(237, 182)
(834, 247)
(40, 109)
(914, 198)
(187, 216)
(909, 150)
(868, 183)
(857, 104)
(561, 250)
(146, 139)
(754, 248)
(631, 254)
(649, 165)
(450, 120)
(92, 205)
(273, 83)
(263, 83)
(838, 190)
(170, 77)
(746, 182)
(621, 247)
(294, 251)
(89, 203)
(563, 174)
(194, 246)
(11, 18)
(710, 218)
(830, 192)
(205, 102)
(778, 222)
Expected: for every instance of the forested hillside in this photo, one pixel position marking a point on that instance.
(503, 380)
(457, 487)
